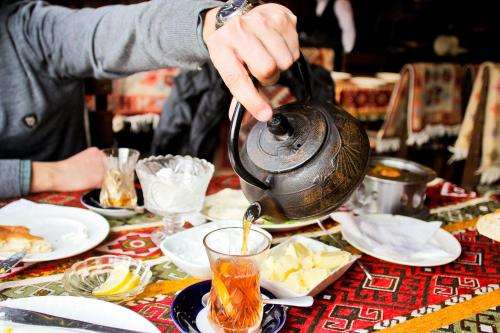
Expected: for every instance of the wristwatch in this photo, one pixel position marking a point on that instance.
(234, 8)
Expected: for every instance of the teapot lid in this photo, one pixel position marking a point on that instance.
(291, 138)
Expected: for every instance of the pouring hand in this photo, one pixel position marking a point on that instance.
(264, 41)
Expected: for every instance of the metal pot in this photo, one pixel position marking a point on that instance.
(393, 196)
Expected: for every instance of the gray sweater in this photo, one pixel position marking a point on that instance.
(46, 50)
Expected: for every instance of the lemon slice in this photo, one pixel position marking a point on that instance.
(117, 279)
(224, 296)
(131, 284)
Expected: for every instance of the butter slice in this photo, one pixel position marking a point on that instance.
(284, 266)
(330, 260)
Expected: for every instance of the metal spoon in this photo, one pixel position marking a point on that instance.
(302, 301)
(8, 264)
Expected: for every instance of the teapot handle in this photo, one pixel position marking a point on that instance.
(299, 68)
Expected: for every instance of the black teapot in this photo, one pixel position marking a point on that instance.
(304, 162)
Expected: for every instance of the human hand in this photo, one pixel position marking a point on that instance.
(82, 171)
(263, 42)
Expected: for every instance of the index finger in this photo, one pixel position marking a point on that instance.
(239, 83)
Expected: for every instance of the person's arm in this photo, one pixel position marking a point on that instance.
(110, 41)
(117, 40)
(344, 13)
(15, 178)
(80, 172)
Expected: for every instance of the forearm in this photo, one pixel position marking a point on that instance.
(113, 41)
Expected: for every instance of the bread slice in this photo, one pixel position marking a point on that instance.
(489, 225)
(18, 238)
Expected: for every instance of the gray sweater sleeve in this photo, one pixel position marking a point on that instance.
(15, 178)
(108, 42)
(112, 41)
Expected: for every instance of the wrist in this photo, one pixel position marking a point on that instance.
(43, 176)
(209, 23)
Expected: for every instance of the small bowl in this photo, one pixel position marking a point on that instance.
(84, 276)
(186, 249)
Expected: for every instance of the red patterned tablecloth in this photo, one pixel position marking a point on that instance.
(461, 296)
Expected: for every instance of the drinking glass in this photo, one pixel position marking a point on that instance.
(118, 189)
(235, 302)
(173, 186)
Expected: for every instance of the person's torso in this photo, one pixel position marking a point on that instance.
(41, 118)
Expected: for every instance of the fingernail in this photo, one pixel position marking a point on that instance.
(265, 114)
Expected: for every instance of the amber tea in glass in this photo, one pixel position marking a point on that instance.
(118, 188)
(235, 303)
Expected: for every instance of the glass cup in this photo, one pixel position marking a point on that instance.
(173, 187)
(235, 302)
(118, 189)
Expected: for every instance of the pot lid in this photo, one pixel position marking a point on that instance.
(291, 138)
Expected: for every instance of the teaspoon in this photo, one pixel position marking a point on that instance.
(302, 301)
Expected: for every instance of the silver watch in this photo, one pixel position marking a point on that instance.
(234, 8)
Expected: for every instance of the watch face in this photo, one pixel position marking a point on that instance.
(230, 8)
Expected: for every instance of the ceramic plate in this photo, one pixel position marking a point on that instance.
(187, 305)
(229, 204)
(367, 82)
(388, 77)
(91, 201)
(69, 230)
(339, 76)
(441, 238)
(79, 308)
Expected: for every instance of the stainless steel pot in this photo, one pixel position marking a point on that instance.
(392, 196)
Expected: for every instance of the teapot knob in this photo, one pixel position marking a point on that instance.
(279, 126)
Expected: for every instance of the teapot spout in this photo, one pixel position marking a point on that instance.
(266, 208)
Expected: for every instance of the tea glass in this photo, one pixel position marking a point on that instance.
(118, 189)
(173, 187)
(235, 302)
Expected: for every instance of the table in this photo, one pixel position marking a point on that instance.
(461, 296)
(366, 104)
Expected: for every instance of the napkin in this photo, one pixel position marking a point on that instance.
(395, 236)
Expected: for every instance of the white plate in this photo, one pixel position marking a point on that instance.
(191, 241)
(340, 76)
(280, 290)
(229, 204)
(442, 239)
(78, 308)
(367, 82)
(287, 226)
(55, 223)
(388, 77)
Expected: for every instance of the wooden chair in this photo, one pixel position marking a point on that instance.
(469, 177)
(100, 118)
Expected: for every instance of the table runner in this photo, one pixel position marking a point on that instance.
(366, 104)
(461, 296)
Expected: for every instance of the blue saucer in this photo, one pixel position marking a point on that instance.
(187, 304)
(91, 201)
